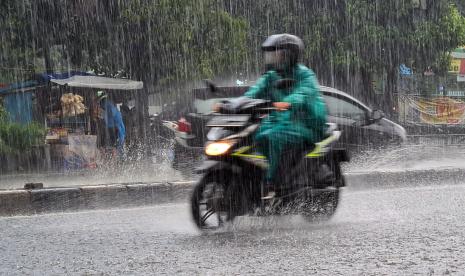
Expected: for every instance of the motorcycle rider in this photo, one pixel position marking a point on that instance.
(301, 113)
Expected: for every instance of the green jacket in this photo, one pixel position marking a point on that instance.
(306, 117)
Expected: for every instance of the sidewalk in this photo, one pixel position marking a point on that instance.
(128, 173)
(410, 158)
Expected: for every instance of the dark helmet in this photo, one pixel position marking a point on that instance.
(292, 45)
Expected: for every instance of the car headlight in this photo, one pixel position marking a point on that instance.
(218, 148)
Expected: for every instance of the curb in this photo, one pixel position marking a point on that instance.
(60, 199)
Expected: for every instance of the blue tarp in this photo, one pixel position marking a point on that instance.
(19, 85)
(65, 75)
(19, 107)
(42, 78)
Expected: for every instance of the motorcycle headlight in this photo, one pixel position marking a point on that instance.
(218, 148)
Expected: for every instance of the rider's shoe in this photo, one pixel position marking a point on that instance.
(268, 192)
(269, 195)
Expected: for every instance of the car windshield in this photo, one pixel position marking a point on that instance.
(341, 108)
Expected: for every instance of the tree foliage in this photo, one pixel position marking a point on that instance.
(353, 40)
(16, 138)
(169, 41)
(151, 40)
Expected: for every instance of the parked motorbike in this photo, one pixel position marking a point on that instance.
(162, 139)
(232, 175)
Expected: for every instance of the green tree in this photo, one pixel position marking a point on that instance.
(17, 138)
(166, 42)
(16, 53)
(349, 42)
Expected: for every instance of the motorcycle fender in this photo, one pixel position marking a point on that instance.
(171, 125)
(341, 155)
(212, 165)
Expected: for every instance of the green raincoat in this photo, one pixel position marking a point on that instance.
(303, 123)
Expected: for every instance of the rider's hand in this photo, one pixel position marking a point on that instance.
(217, 107)
(281, 106)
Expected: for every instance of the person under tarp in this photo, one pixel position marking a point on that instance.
(115, 131)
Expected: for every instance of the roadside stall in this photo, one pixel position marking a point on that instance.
(73, 117)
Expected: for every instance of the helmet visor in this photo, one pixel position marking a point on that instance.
(274, 57)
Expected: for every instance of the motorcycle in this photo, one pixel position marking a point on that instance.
(162, 139)
(232, 174)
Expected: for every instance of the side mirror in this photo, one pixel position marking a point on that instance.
(211, 86)
(376, 115)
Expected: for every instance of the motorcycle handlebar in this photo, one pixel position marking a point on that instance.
(224, 110)
(243, 105)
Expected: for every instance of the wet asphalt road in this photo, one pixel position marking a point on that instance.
(395, 231)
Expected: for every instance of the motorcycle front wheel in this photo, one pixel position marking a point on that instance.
(210, 206)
